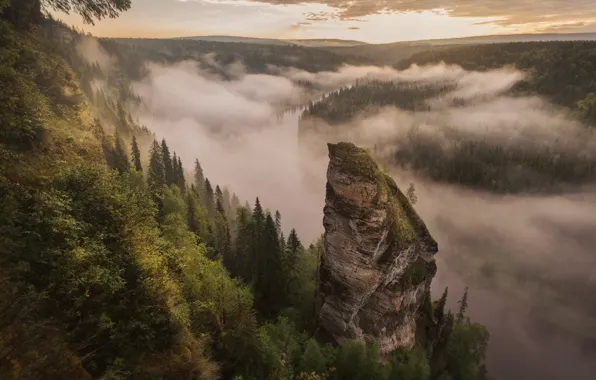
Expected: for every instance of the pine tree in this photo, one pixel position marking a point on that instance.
(167, 163)
(218, 196)
(136, 155)
(227, 203)
(222, 235)
(293, 247)
(440, 308)
(242, 243)
(278, 222)
(463, 306)
(174, 169)
(209, 201)
(199, 177)
(156, 174)
(120, 157)
(181, 181)
(269, 281)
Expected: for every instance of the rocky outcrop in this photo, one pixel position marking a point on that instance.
(378, 261)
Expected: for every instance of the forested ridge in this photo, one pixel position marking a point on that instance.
(455, 155)
(120, 263)
(562, 71)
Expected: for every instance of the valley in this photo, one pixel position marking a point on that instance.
(245, 208)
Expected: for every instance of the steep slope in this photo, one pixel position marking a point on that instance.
(378, 262)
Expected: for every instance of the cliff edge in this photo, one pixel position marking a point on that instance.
(378, 262)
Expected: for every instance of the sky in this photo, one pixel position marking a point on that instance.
(376, 21)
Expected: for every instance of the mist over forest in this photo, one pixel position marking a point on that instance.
(164, 205)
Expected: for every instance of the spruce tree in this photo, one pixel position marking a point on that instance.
(463, 306)
(135, 153)
(222, 235)
(167, 163)
(174, 170)
(199, 177)
(218, 196)
(278, 222)
(156, 174)
(209, 201)
(293, 247)
(181, 181)
(242, 245)
(120, 157)
(227, 203)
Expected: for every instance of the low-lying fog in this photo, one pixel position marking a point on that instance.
(229, 127)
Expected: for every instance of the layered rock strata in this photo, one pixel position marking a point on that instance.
(378, 262)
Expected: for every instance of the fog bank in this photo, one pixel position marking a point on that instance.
(539, 247)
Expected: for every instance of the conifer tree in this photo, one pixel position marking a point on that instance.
(156, 174)
(209, 201)
(120, 156)
(463, 306)
(222, 235)
(167, 163)
(242, 243)
(227, 203)
(174, 169)
(293, 247)
(181, 180)
(199, 178)
(270, 284)
(135, 152)
(278, 222)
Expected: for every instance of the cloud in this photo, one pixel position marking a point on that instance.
(506, 12)
(320, 16)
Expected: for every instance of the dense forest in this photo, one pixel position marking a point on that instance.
(256, 58)
(452, 155)
(562, 71)
(120, 263)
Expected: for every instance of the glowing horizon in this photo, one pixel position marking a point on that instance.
(282, 19)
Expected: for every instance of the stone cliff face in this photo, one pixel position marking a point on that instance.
(378, 261)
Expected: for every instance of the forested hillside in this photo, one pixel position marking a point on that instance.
(457, 155)
(560, 70)
(120, 263)
(255, 57)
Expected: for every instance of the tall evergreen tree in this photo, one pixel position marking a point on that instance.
(199, 177)
(174, 170)
(120, 157)
(293, 247)
(278, 222)
(242, 245)
(167, 162)
(463, 306)
(181, 181)
(135, 153)
(227, 203)
(218, 195)
(222, 235)
(156, 173)
(270, 283)
(209, 200)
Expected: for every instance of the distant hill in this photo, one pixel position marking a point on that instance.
(322, 42)
(391, 53)
(244, 40)
(326, 42)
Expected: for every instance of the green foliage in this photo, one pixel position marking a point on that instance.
(135, 153)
